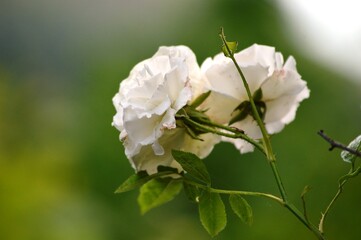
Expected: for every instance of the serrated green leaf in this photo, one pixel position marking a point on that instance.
(200, 99)
(212, 212)
(354, 145)
(241, 208)
(192, 192)
(157, 192)
(193, 165)
(133, 181)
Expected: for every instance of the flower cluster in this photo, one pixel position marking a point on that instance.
(159, 88)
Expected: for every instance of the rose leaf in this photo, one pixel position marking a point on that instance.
(212, 212)
(193, 165)
(241, 208)
(156, 192)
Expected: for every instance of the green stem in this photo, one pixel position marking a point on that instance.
(343, 180)
(305, 222)
(278, 180)
(268, 147)
(235, 133)
(325, 213)
(266, 139)
(287, 205)
(244, 193)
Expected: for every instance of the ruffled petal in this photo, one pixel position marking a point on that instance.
(201, 148)
(147, 160)
(282, 83)
(219, 107)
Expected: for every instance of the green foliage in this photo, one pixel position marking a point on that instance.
(354, 145)
(193, 165)
(133, 181)
(140, 178)
(212, 212)
(192, 192)
(241, 208)
(200, 99)
(157, 192)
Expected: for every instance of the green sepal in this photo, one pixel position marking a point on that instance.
(212, 212)
(196, 115)
(261, 109)
(241, 208)
(232, 46)
(257, 95)
(186, 117)
(200, 99)
(192, 165)
(156, 192)
(244, 110)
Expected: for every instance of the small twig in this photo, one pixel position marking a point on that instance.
(325, 213)
(304, 192)
(335, 144)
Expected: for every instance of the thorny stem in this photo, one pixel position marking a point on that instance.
(266, 140)
(335, 144)
(268, 147)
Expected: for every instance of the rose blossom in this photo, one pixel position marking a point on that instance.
(281, 89)
(146, 105)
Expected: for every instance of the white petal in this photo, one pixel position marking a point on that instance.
(241, 145)
(279, 108)
(220, 107)
(257, 54)
(279, 61)
(147, 160)
(141, 130)
(175, 82)
(250, 127)
(201, 148)
(290, 64)
(157, 148)
(168, 120)
(255, 75)
(225, 79)
(282, 83)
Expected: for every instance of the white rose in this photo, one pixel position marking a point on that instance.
(281, 85)
(146, 105)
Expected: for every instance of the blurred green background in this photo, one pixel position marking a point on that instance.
(60, 160)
